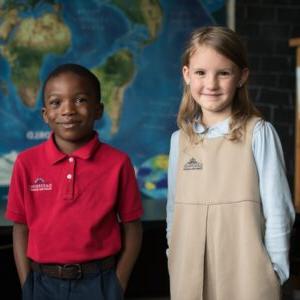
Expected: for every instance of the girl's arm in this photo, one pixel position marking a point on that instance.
(172, 170)
(20, 241)
(131, 245)
(276, 199)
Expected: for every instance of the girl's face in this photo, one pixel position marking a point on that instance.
(213, 80)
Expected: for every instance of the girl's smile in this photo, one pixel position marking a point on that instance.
(213, 80)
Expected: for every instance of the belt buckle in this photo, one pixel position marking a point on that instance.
(76, 267)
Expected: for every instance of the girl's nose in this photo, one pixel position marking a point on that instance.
(211, 82)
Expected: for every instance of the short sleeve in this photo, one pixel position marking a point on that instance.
(15, 210)
(129, 197)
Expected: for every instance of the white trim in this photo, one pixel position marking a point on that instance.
(230, 9)
(298, 92)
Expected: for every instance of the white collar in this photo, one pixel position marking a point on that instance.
(218, 129)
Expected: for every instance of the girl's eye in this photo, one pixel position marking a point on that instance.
(224, 73)
(200, 72)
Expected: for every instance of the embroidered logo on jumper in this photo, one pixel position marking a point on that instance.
(40, 185)
(193, 164)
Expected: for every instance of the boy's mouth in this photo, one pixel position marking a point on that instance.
(68, 124)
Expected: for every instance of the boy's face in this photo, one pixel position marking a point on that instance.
(71, 108)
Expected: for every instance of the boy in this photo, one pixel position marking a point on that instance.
(68, 197)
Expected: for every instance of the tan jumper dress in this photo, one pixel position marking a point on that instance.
(216, 249)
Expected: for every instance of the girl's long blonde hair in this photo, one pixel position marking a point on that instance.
(227, 43)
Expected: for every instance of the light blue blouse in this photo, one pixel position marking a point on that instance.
(278, 209)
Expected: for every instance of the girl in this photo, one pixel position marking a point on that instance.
(229, 210)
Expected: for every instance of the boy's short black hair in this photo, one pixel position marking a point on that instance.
(78, 70)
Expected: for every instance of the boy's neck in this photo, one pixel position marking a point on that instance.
(69, 147)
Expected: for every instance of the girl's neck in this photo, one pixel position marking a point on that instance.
(208, 120)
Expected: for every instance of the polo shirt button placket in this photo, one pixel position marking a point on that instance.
(70, 179)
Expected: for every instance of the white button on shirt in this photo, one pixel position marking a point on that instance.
(71, 159)
(275, 194)
(69, 176)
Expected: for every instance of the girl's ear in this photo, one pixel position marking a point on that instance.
(44, 114)
(186, 74)
(244, 77)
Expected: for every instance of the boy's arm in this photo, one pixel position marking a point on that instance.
(131, 244)
(20, 241)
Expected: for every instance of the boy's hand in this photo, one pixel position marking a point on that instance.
(123, 282)
(20, 242)
(131, 244)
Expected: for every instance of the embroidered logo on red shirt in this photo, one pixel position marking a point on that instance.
(40, 185)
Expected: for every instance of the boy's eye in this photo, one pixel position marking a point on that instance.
(80, 100)
(54, 102)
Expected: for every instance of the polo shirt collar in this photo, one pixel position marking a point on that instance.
(84, 152)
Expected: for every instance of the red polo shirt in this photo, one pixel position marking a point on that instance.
(72, 204)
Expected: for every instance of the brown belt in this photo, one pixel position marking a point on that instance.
(74, 271)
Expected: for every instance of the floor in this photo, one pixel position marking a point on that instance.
(291, 291)
(147, 298)
(294, 296)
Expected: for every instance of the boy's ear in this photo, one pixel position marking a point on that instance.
(44, 114)
(99, 111)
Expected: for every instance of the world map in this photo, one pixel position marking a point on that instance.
(132, 46)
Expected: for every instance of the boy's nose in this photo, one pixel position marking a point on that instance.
(68, 108)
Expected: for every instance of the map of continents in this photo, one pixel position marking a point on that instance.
(133, 47)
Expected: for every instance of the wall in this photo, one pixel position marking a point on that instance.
(266, 26)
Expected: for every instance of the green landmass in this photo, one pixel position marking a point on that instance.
(25, 72)
(23, 5)
(115, 74)
(34, 39)
(144, 12)
(118, 67)
(152, 12)
(9, 20)
(131, 9)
